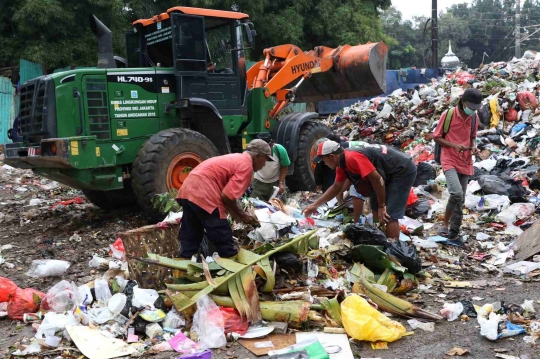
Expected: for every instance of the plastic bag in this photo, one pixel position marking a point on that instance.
(98, 262)
(63, 296)
(527, 100)
(406, 255)
(100, 315)
(85, 295)
(144, 297)
(363, 322)
(24, 301)
(428, 327)
(528, 306)
(117, 249)
(117, 303)
(103, 293)
(420, 207)
(452, 311)
(208, 324)
(515, 212)
(7, 289)
(424, 173)
(412, 198)
(173, 320)
(489, 327)
(52, 323)
(47, 268)
(493, 185)
(362, 234)
(233, 323)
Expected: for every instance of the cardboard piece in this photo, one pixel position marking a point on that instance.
(279, 341)
(95, 345)
(329, 342)
(528, 243)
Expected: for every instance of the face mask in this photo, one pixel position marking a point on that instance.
(468, 111)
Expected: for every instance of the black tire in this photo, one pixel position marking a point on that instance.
(115, 199)
(303, 178)
(149, 172)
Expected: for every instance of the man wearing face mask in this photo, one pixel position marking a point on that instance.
(458, 144)
(383, 174)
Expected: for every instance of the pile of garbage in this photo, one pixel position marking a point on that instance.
(324, 279)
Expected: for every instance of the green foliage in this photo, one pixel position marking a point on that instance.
(166, 202)
(56, 33)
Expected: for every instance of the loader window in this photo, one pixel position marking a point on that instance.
(189, 43)
(219, 42)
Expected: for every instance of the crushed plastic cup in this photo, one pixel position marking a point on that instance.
(52, 340)
(117, 303)
(428, 327)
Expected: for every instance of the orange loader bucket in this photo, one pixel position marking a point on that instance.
(358, 71)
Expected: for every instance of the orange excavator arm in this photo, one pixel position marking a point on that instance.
(320, 74)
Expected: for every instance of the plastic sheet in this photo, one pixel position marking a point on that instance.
(47, 268)
(208, 324)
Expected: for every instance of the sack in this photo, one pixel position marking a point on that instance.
(7, 289)
(24, 301)
(406, 255)
(362, 234)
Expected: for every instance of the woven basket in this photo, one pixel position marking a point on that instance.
(161, 241)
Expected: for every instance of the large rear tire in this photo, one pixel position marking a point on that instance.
(303, 178)
(163, 163)
(115, 199)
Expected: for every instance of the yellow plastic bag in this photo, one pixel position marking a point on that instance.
(495, 112)
(363, 322)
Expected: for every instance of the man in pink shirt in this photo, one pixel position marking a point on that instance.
(458, 145)
(210, 191)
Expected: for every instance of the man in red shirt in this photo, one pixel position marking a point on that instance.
(384, 174)
(458, 145)
(210, 191)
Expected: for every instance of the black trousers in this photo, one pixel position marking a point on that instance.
(195, 221)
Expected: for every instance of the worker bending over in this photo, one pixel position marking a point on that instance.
(273, 173)
(381, 173)
(210, 192)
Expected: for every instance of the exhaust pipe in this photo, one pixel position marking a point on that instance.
(104, 37)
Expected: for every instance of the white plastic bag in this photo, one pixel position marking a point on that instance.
(208, 324)
(103, 293)
(452, 311)
(489, 327)
(98, 262)
(281, 220)
(47, 268)
(387, 109)
(100, 315)
(63, 296)
(416, 99)
(515, 212)
(122, 282)
(528, 306)
(144, 297)
(85, 293)
(428, 327)
(173, 320)
(52, 323)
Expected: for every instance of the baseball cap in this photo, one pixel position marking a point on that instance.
(326, 148)
(260, 147)
(473, 98)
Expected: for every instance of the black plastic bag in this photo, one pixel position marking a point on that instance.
(424, 173)
(494, 185)
(406, 255)
(362, 234)
(468, 309)
(286, 260)
(128, 291)
(484, 115)
(418, 208)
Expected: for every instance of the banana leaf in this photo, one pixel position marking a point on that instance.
(359, 270)
(232, 276)
(334, 309)
(388, 278)
(374, 258)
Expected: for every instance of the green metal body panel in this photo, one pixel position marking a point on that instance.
(117, 118)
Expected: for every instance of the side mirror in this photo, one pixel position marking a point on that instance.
(250, 33)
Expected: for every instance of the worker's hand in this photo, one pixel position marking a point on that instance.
(281, 188)
(309, 209)
(384, 217)
(476, 151)
(461, 148)
(249, 219)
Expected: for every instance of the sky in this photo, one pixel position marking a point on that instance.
(410, 8)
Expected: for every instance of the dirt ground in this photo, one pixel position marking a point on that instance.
(41, 232)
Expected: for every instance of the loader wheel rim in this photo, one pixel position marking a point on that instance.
(179, 169)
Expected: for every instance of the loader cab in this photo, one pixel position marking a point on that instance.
(204, 48)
